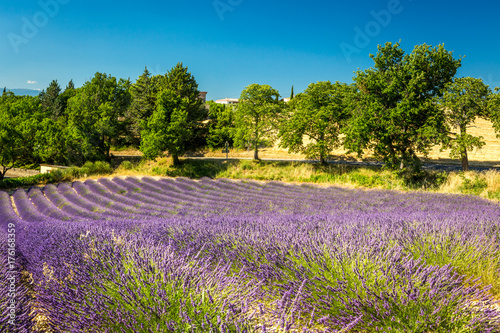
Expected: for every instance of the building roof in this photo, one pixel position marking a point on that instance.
(227, 100)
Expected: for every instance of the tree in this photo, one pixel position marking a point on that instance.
(394, 112)
(20, 118)
(221, 124)
(183, 83)
(256, 116)
(51, 101)
(68, 92)
(94, 117)
(317, 114)
(168, 127)
(143, 93)
(464, 100)
(292, 95)
(177, 118)
(494, 110)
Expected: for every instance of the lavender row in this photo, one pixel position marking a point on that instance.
(349, 259)
(288, 265)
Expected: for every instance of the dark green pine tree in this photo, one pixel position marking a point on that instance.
(180, 81)
(183, 83)
(50, 100)
(143, 93)
(70, 85)
(291, 94)
(68, 92)
(4, 91)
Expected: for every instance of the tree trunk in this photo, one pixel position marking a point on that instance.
(3, 171)
(322, 159)
(402, 162)
(256, 142)
(176, 160)
(463, 153)
(256, 152)
(465, 160)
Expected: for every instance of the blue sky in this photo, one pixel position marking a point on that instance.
(230, 44)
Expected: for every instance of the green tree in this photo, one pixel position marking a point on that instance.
(51, 101)
(143, 93)
(464, 100)
(183, 83)
(182, 112)
(64, 97)
(20, 118)
(221, 124)
(53, 144)
(394, 111)
(168, 127)
(494, 110)
(51, 141)
(256, 116)
(292, 95)
(318, 114)
(95, 117)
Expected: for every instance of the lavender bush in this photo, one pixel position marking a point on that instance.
(148, 255)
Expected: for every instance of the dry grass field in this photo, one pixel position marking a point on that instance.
(488, 156)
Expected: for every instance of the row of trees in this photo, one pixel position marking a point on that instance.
(402, 106)
(77, 125)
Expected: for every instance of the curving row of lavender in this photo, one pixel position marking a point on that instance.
(178, 255)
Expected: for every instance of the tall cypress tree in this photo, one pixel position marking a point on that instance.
(291, 94)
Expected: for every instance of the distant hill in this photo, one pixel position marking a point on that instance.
(21, 92)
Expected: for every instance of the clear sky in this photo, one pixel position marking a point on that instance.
(230, 44)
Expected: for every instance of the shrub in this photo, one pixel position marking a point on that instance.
(126, 165)
(56, 176)
(476, 185)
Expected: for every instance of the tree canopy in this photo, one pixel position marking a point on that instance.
(394, 112)
(464, 100)
(167, 129)
(143, 93)
(256, 116)
(316, 115)
(221, 124)
(94, 117)
(20, 126)
(51, 101)
(177, 117)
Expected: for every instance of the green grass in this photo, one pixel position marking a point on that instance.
(58, 176)
(485, 184)
(367, 177)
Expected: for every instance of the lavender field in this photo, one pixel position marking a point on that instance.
(178, 255)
